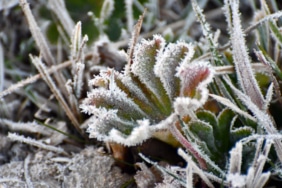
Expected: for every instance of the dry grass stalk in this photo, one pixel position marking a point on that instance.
(30, 80)
(42, 43)
(36, 143)
(42, 69)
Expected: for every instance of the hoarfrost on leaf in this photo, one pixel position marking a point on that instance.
(144, 60)
(245, 74)
(167, 62)
(137, 135)
(237, 180)
(236, 159)
(186, 106)
(194, 79)
(158, 85)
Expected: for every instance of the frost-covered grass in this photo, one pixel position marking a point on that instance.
(208, 86)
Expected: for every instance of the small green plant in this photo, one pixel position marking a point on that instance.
(212, 102)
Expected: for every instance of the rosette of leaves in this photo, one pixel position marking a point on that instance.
(217, 135)
(159, 84)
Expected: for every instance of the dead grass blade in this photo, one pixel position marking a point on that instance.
(42, 69)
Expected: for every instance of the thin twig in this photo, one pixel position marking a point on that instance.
(42, 43)
(193, 167)
(42, 69)
(36, 143)
(230, 69)
(51, 70)
(10, 180)
(2, 67)
(31, 127)
(37, 34)
(135, 35)
(26, 174)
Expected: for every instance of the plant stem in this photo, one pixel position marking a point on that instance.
(177, 134)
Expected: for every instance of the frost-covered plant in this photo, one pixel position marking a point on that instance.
(213, 136)
(163, 88)
(159, 84)
(165, 85)
(255, 176)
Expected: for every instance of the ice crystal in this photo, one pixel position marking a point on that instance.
(157, 85)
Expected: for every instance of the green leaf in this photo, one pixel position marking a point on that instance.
(207, 117)
(272, 63)
(113, 29)
(167, 62)
(52, 33)
(240, 133)
(135, 93)
(204, 132)
(143, 68)
(263, 36)
(276, 31)
(222, 130)
(115, 99)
